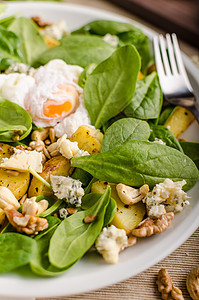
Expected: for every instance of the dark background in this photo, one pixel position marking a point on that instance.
(179, 16)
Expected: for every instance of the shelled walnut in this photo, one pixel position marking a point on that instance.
(193, 283)
(25, 224)
(40, 22)
(166, 287)
(27, 221)
(149, 226)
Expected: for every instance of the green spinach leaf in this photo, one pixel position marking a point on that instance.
(82, 175)
(111, 121)
(125, 130)
(88, 188)
(147, 100)
(53, 222)
(191, 149)
(53, 208)
(102, 27)
(40, 264)
(90, 199)
(105, 92)
(16, 250)
(127, 34)
(6, 127)
(74, 237)
(51, 200)
(141, 42)
(13, 117)
(7, 21)
(166, 114)
(32, 43)
(164, 134)
(135, 163)
(9, 48)
(84, 75)
(110, 212)
(78, 50)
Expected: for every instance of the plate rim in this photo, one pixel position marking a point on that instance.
(97, 285)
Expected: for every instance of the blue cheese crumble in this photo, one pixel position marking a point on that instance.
(63, 213)
(68, 189)
(20, 68)
(110, 242)
(167, 196)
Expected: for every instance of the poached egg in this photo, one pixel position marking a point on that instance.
(55, 93)
(50, 94)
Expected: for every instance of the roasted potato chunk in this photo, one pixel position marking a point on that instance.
(127, 217)
(179, 120)
(18, 185)
(57, 165)
(88, 139)
(100, 186)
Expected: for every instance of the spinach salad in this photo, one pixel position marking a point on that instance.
(101, 184)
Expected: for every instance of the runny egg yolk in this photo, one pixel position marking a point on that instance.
(56, 109)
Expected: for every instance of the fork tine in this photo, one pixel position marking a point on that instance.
(180, 62)
(158, 58)
(171, 54)
(164, 56)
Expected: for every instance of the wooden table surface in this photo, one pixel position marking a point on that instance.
(142, 286)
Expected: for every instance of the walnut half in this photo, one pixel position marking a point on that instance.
(25, 224)
(166, 287)
(193, 283)
(149, 226)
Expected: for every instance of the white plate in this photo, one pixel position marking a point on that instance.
(92, 272)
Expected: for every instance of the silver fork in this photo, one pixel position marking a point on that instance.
(172, 74)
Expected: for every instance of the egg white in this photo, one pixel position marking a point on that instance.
(15, 86)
